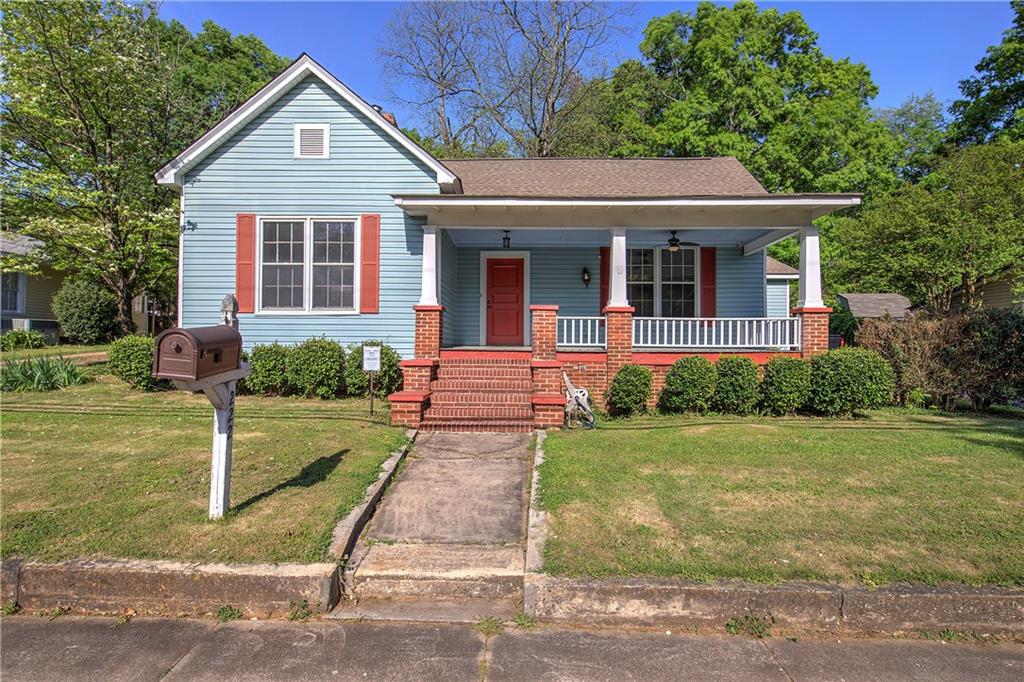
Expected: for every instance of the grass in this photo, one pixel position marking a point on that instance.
(894, 496)
(66, 349)
(100, 470)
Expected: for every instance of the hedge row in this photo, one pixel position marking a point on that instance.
(835, 383)
(316, 368)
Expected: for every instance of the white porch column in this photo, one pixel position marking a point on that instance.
(428, 283)
(809, 289)
(617, 291)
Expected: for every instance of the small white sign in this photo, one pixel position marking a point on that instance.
(371, 358)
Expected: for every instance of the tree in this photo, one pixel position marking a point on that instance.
(959, 225)
(99, 94)
(920, 124)
(993, 100)
(736, 81)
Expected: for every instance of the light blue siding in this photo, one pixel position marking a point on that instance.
(447, 293)
(255, 172)
(555, 279)
(777, 294)
(740, 284)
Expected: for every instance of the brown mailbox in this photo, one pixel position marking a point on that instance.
(197, 353)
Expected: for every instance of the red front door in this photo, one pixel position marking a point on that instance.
(504, 301)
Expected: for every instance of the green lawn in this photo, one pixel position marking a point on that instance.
(66, 349)
(101, 470)
(893, 496)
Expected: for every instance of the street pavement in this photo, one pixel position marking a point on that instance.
(78, 648)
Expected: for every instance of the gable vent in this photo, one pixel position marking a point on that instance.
(311, 141)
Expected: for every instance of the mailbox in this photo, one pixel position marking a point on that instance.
(193, 354)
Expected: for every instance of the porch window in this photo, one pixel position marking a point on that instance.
(662, 283)
(308, 264)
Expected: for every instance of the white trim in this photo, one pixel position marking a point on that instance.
(766, 240)
(773, 200)
(429, 259)
(173, 173)
(307, 267)
(484, 255)
(785, 277)
(22, 287)
(809, 289)
(181, 254)
(658, 281)
(297, 129)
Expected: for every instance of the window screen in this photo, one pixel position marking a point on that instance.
(334, 252)
(678, 283)
(640, 281)
(282, 264)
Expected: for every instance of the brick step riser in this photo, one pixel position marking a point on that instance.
(413, 586)
(472, 399)
(482, 385)
(478, 373)
(466, 412)
(506, 426)
(485, 363)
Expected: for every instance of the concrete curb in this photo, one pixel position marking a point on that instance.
(537, 518)
(345, 534)
(796, 605)
(169, 587)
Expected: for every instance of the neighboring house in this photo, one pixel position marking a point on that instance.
(998, 291)
(25, 300)
(778, 275)
(492, 276)
(867, 306)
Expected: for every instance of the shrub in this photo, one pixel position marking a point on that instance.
(17, 339)
(85, 311)
(316, 367)
(629, 391)
(131, 361)
(989, 360)
(850, 379)
(737, 389)
(40, 374)
(786, 386)
(842, 323)
(689, 386)
(269, 369)
(388, 380)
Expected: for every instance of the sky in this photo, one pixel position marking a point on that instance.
(910, 47)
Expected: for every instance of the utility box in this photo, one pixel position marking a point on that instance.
(197, 353)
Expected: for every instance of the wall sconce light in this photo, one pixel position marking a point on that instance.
(585, 275)
(506, 241)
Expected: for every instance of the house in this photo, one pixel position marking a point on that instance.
(999, 291)
(778, 275)
(491, 277)
(866, 306)
(25, 300)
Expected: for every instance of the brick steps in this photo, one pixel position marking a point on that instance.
(483, 385)
(490, 373)
(481, 426)
(485, 394)
(481, 398)
(463, 412)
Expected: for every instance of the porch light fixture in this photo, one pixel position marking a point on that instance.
(585, 275)
(506, 241)
(673, 242)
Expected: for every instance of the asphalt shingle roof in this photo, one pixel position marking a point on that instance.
(775, 267)
(875, 305)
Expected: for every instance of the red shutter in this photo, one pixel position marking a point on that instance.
(245, 262)
(369, 264)
(708, 274)
(605, 276)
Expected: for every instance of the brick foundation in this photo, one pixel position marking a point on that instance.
(409, 404)
(428, 331)
(813, 330)
(545, 369)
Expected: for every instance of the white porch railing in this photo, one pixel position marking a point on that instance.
(717, 332)
(583, 332)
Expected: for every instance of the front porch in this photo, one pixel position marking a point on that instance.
(503, 309)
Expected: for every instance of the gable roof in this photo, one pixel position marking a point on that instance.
(778, 269)
(604, 178)
(18, 244)
(173, 172)
(875, 305)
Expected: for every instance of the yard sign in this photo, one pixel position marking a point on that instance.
(371, 364)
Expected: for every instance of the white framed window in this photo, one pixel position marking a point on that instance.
(662, 283)
(312, 140)
(308, 265)
(12, 292)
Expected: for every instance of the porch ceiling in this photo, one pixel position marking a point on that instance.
(763, 212)
(523, 238)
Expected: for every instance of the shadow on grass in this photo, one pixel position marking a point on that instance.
(315, 472)
(199, 412)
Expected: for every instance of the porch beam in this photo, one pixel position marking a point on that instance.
(763, 242)
(809, 289)
(428, 281)
(617, 291)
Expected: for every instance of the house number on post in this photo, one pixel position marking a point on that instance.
(208, 359)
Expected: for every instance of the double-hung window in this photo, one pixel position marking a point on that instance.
(308, 264)
(12, 292)
(662, 283)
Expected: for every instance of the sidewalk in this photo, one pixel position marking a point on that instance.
(69, 648)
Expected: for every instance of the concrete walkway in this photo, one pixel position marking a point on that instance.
(70, 648)
(451, 528)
